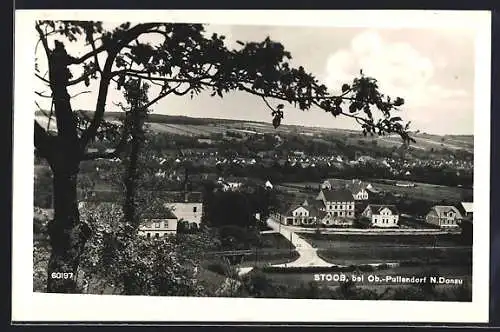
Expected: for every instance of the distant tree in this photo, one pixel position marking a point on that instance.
(184, 61)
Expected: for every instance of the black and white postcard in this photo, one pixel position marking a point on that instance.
(271, 166)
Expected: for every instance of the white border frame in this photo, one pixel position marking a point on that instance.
(29, 306)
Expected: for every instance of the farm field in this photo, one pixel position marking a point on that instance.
(186, 130)
(425, 191)
(423, 142)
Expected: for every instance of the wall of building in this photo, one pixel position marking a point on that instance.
(340, 209)
(191, 212)
(161, 227)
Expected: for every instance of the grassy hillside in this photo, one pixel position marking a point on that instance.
(187, 126)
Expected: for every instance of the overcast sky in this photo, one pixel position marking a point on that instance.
(433, 70)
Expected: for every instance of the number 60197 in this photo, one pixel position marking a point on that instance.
(61, 275)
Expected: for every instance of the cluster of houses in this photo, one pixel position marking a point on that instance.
(179, 207)
(185, 207)
(336, 206)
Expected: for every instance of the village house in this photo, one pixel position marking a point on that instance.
(189, 208)
(158, 223)
(304, 214)
(467, 210)
(381, 215)
(358, 189)
(338, 206)
(329, 184)
(229, 185)
(444, 216)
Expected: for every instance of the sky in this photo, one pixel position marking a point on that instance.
(432, 69)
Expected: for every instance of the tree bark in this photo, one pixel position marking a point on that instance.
(131, 178)
(65, 232)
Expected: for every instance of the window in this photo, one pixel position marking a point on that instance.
(148, 235)
(194, 208)
(166, 224)
(157, 235)
(157, 224)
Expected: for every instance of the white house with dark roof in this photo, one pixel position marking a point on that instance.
(444, 216)
(303, 214)
(468, 209)
(158, 223)
(381, 215)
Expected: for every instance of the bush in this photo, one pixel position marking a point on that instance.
(218, 267)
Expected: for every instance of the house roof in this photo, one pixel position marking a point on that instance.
(442, 209)
(468, 207)
(317, 204)
(376, 208)
(342, 195)
(356, 187)
(162, 212)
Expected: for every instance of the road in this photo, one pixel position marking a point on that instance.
(307, 254)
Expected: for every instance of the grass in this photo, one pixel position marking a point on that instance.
(425, 191)
(211, 281)
(325, 241)
(377, 254)
(276, 241)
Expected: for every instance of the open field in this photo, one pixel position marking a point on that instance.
(366, 249)
(187, 126)
(425, 191)
(382, 254)
(324, 241)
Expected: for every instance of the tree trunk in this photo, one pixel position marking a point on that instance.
(131, 178)
(65, 233)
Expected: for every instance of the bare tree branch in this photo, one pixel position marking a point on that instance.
(80, 93)
(267, 103)
(43, 79)
(42, 95)
(42, 110)
(160, 96)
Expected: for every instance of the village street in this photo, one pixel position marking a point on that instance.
(307, 254)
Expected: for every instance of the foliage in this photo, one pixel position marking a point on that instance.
(233, 237)
(183, 61)
(40, 261)
(140, 266)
